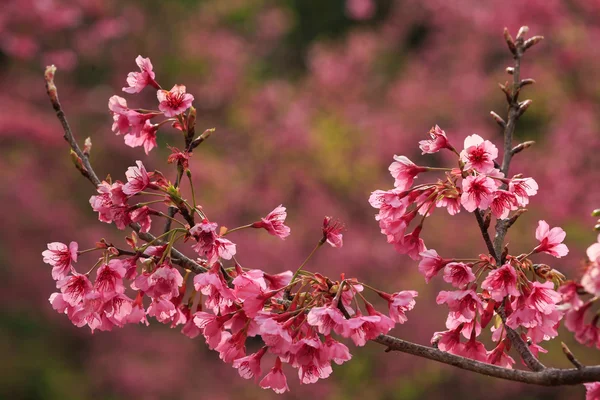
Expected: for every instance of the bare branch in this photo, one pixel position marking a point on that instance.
(571, 357)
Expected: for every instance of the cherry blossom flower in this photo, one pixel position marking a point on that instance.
(162, 309)
(109, 279)
(142, 216)
(458, 274)
(474, 349)
(232, 347)
(164, 282)
(501, 282)
(591, 279)
(448, 341)
(249, 366)
(437, 142)
(332, 232)
(175, 101)
(592, 391)
(137, 179)
(327, 318)
(404, 172)
(593, 252)
(523, 188)
(464, 305)
(504, 202)
(362, 328)
(431, 263)
(499, 357)
(274, 223)
(479, 154)
(145, 137)
(335, 351)
(74, 288)
(179, 157)
(275, 335)
(137, 81)
(275, 379)
(212, 285)
(478, 192)
(60, 257)
(550, 240)
(211, 327)
(126, 120)
(399, 303)
(412, 244)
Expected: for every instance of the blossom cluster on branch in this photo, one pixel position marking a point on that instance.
(295, 314)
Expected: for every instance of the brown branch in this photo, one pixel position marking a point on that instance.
(571, 357)
(522, 348)
(485, 234)
(545, 377)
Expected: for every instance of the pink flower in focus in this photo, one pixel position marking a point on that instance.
(499, 357)
(109, 279)
(592, 391)
(543, 297)
(179, 157)
(137, 81)
(60, 257)
(142, 216)
(275, 335)
(464, 305)
(175, 101)
(162, 309)
(479, 154)
(431, 263)
(401, 302)
(332, 232)
(278, 281)
(327, 318)
(437, 142)
(164, 282)
(478, 192)
(550, 240)
(218, 295)
(274, 223)
(504, 201)
(125, 119)
(404, 172)
(523, 188)
(411, 244)
(275, 379)
(458, 274)
(361, 328)
(249, 284)
(74, 288)
(249, 366)
(335, 351)
(501, 282)
(232, 347)
(448, 341)
(211, 327)
(137, 179)
(145, 137)
(474, 350)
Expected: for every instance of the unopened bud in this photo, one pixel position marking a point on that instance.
(510, 70)
(78, 163)
(522, 31)
(542, 270)
(522, 146)
(113, 251)
(87, 146)
(523, 106)
(191, 122)
(498, 119)
(526, 82)
(509, 41)
(596, 213)
(533, 41)
(597, 227)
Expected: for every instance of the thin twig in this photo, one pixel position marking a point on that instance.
(571, 357)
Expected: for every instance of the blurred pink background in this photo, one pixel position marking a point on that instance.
(311, 99)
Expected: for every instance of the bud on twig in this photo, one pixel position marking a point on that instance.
(205, 135)
(191, 122)
(78, 163)
(523, 106)
(87, 146)
(509, 41)
(506, 91)
(498, 119)
(526, 82)
(514, 218)
(522, 31)
(510, 70)
(596, 213)
(532, 41)
(570, 356)
(520, 147)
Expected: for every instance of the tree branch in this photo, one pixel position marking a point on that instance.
(545, 377)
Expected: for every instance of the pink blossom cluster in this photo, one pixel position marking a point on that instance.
(228, 306)
(296, 315)
(481, 286)
(135, 124)
(477, 184)
(580, 301)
